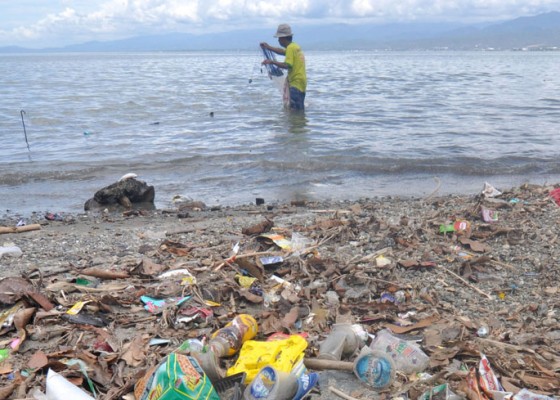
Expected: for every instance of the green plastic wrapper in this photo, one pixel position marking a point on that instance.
(177, 377)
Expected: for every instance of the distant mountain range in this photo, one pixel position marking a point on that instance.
(540, 32)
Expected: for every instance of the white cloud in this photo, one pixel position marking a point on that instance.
(72, 21)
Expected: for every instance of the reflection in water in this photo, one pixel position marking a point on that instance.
(297, 122)
(293, 161)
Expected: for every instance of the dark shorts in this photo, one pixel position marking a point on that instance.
(297, 99)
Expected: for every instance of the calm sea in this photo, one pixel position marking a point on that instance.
(210, 126)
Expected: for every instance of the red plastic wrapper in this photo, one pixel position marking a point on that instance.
(555, 194)
(488, 380)
(473, 389)
(483, 384)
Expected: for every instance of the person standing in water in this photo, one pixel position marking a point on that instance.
(294, 62)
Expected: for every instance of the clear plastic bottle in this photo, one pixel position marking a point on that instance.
(343, 340)
(407, 356)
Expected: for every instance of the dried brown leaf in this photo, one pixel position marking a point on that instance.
(290, 318)
(135, 351)
(12, 289)
(38, 360)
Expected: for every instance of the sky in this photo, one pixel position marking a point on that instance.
(54, 23)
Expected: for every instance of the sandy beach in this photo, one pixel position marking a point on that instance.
(462, 277)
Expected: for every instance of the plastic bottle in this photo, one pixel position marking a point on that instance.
(228, 340)
(272, 384)
(225, 342)
(406, 356)
(13, 251)
(343, 340)
(374, 368)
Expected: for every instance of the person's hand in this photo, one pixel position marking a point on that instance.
(266, 62)
(265, 45)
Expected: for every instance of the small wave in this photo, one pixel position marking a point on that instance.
(24, 177)
(551, 101)
(470, 166)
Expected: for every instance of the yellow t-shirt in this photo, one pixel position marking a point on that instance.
(295, 59)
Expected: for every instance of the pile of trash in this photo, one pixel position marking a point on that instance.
(437, 298)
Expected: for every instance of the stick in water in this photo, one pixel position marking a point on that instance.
(24, 131)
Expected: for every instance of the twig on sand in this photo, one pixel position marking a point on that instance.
(341, 394)
(502, 264)
(504, 346)
(453, 274)
(273, 253)
(235, 257)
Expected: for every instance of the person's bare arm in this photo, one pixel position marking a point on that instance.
(277, 50)
(277, 63)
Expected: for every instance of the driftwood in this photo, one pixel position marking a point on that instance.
(320, 365)
(453, 274)
(103, 274)
(19, 229)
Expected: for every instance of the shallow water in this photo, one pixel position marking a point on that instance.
(376, 123)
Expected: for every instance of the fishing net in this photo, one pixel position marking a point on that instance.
(277, 76)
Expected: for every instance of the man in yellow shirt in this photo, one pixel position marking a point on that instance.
(294, 63)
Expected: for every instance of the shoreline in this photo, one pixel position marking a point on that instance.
(70, 196)
(368, 261)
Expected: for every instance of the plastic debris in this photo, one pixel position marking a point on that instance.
(407, 356)
(283, 355)
(54, 217)
(59, 388)
(272, 260)
(177, 377)
(440, 392)
(157, 306)
(489, 215)
(12, 251)
(272, 384)
(555, 194)
(459, 227)
(490, 191)
(374, 368)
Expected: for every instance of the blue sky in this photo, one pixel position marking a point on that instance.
(46, 23)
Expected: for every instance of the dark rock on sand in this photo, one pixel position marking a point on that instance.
(128, 192)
